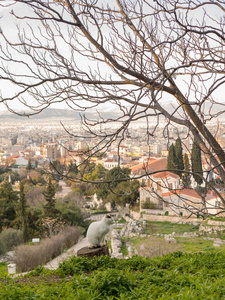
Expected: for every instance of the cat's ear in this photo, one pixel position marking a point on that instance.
(108, 217)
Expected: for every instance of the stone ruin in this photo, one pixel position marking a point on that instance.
(134, 228)
(130, 229)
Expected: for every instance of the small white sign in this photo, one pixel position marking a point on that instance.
(12, 269)
(36, 240)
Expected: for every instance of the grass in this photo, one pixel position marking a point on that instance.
(184, 244)
(121, 221)
(3, 269)
(220, 218)
(154, 227)
(198, 244)
(124, 247)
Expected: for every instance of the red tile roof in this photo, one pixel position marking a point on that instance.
(151, 166)
(183, 192)
(165, 174)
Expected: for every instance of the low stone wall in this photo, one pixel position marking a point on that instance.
(153, 211)
(216, 223)
(171, 219)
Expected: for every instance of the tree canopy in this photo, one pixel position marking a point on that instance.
(116, 189)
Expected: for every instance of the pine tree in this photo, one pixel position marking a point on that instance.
(172, 161)
(186, 176)
(196, 161)
(22, 212)
(49, 196)
(179, 155)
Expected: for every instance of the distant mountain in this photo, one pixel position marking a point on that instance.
(53, 113)
(48, 113)
(108, 113)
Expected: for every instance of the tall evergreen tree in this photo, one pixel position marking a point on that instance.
(179, 155)
(8, 203)
(186, 176)
(172, 161)
(29, 165)
(49, 196)
(22, 212)
(196, 161)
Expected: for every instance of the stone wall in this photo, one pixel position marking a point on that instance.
(216, 223)
(171, 219)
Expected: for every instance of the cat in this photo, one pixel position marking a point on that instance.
(97, 230)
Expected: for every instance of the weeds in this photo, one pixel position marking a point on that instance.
(28, 257)
(154, 247)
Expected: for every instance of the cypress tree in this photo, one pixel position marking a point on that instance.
(22, 212)
(179, 155)
(172, 161)
(49, 196)
(196, 161)
(29, 165)
(186, 176)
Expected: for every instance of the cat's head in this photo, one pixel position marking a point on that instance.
(108, 219)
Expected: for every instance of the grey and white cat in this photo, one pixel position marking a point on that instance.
(97, 230)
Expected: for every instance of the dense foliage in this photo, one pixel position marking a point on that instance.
(8, 204)
(175, 276)
(175, 158)
(117, 188)
(31, 203)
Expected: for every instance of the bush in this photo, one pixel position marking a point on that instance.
(2, 248)
(148, 205)
(10, 238)
(28, 257)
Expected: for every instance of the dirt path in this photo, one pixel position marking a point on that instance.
(53, 264)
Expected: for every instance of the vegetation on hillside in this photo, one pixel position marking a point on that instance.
(175, 276)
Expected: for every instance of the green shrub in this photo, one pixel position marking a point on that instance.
(175, 276)
(10, 238)
(2, 248)
(113, 282)
(148, 205)
(80, 265)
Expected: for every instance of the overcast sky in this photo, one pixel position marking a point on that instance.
(8, 24)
